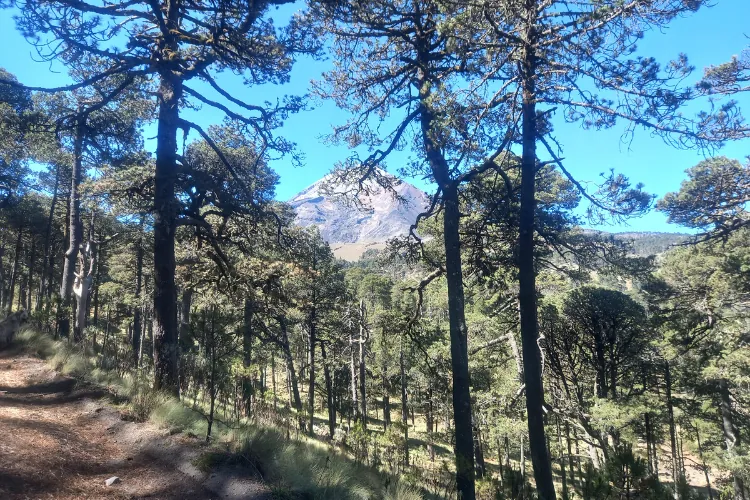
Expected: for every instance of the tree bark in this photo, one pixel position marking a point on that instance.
(404, 404)
(362, 363)
(212, 375)
(106, 338)
(273, 381)
(311, 366)
(329, 392)
(247, 355)
(386, 398)
(672, 433)
(82, 289)
(50, 285)
(75, 231)
(136, 341)
(30, 276)
(731, 433)
(353, 375)
(166, 347)
(14, 270)
(2, 280)
(464, 444)
(48, 256)
(480, 466)
(296, 401)
(22, 281)
(97, 284)
(526, 273)
(650, 445)
(185, 306)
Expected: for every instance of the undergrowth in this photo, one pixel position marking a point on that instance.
(293, 468)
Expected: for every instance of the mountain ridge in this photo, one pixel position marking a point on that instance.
(375, 216)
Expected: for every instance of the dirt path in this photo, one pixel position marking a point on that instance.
(61, 440)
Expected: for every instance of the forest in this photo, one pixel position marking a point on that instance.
(498, 351)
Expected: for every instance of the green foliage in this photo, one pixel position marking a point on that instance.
(624, 475)
(713, 198)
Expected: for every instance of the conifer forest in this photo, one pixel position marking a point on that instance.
(505, 346)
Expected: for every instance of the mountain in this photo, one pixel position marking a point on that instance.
(645, 243)
(352, 228)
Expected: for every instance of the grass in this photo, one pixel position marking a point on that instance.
(296, 468)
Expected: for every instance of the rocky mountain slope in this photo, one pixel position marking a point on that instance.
(354, 227)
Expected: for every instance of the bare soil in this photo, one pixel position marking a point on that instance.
(61, 439)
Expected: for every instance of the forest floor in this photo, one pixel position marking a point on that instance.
(62, 439)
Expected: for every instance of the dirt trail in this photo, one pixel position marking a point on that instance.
(59, 439)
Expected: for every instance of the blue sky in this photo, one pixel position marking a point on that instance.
(711, 36)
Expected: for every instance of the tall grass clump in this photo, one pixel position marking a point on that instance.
(30, 340)
(174, 415)
(307, 468)
(401, 491)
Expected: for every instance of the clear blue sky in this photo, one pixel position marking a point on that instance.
(711, 36)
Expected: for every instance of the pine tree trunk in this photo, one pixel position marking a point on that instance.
(672, 433)
(106, 338)
(185, 306)
(430, 422)
(247, 356)
(649, 451)
(362, 363)
(166, 347)
(273, 381)
(329, 392)
(731, 433)
(97, 283)
(48, 243)
(22, 282)
(14, 271)
(212, 375)
(3, 295)
(480, 465)
(30, 276)
(353, 376)
(311, 380)
(526, 273)
(82, 287)
(464, 444)
(404, 404)
(75, 232)
(386, 399)
(296, 401)
(50, 284)
(138, 292)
